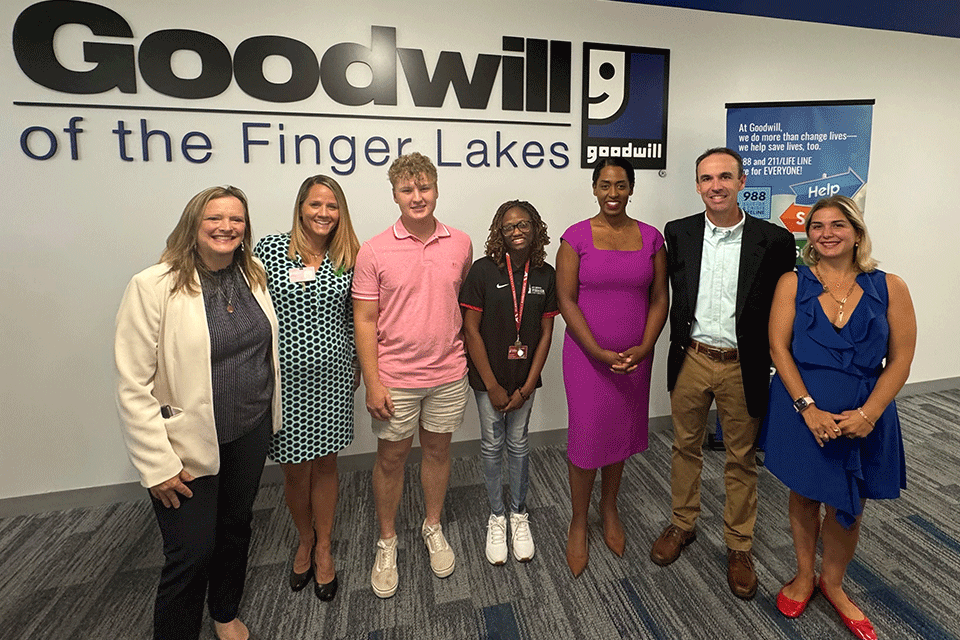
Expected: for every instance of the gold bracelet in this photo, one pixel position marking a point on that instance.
(864, 416)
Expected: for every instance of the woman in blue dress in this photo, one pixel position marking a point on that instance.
(832, 434)
(309, 274)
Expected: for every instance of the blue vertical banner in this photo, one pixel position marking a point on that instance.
(795, 153)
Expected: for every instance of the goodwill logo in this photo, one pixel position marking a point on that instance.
(624, 104)
(624, 112)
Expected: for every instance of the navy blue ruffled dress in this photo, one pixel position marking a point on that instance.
(840, 369)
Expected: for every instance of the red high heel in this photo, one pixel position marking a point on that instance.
(793, 608)
(862, 629)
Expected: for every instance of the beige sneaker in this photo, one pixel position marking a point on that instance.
(384, 577)
(496, 548)
(520, 536)
(441, 555)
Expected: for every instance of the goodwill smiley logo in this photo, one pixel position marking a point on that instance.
(624, 111)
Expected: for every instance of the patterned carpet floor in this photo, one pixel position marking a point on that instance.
(92, 573)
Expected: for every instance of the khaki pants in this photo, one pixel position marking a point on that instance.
(701, 380)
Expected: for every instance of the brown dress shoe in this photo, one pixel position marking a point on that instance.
(740, 574)
(671, 542)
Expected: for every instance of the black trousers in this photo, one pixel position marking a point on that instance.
(205, 541)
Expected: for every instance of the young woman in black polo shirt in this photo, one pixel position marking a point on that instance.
(509, 300)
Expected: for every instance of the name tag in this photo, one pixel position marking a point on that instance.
(517, 351)
(306, 274)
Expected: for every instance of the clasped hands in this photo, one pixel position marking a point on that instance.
(826, 426)
(625, 362)
(505, 403)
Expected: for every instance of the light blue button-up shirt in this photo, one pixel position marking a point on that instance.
(715, 321)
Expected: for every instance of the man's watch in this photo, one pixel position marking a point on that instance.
(802, 403)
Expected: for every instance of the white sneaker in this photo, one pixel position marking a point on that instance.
(384, 576)
(441, 555)
(497, 539)
(521, 537)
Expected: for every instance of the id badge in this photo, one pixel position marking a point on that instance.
(306, 274)
(517, 352)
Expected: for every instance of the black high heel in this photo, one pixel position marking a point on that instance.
(300, 580)
(327, 591)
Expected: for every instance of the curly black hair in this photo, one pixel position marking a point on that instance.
(496, 249)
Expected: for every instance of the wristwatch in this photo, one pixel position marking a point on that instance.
(802, 403)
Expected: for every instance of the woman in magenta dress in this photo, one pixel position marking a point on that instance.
(612, 291)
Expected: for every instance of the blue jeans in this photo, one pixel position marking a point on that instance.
(497, 428)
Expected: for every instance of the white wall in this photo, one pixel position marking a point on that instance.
(75, 231)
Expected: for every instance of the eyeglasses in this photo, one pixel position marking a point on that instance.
(523, 225)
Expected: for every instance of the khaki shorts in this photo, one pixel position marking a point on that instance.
(437, 409)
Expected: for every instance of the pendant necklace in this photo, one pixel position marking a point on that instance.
(233, 288)
(842, 301)
(316, 255)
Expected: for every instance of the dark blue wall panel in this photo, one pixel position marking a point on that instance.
(931, 17)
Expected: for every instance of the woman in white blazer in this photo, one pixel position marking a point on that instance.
(199, 397)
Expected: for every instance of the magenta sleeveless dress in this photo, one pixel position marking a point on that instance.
(608, 412)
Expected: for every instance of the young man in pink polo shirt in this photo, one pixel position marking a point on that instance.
(410, 345)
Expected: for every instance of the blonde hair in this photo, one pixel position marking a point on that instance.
(410, 167)
(342, 248)
(183, 256)
(862, 250)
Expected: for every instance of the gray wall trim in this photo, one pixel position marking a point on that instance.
(132, 491)
(930, 386)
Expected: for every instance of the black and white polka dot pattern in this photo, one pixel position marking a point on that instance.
(316, 355)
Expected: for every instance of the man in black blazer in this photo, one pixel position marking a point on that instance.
(724, 266)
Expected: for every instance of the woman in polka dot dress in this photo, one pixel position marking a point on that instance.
(309, 274)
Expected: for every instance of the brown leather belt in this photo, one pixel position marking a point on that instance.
(715, 353)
